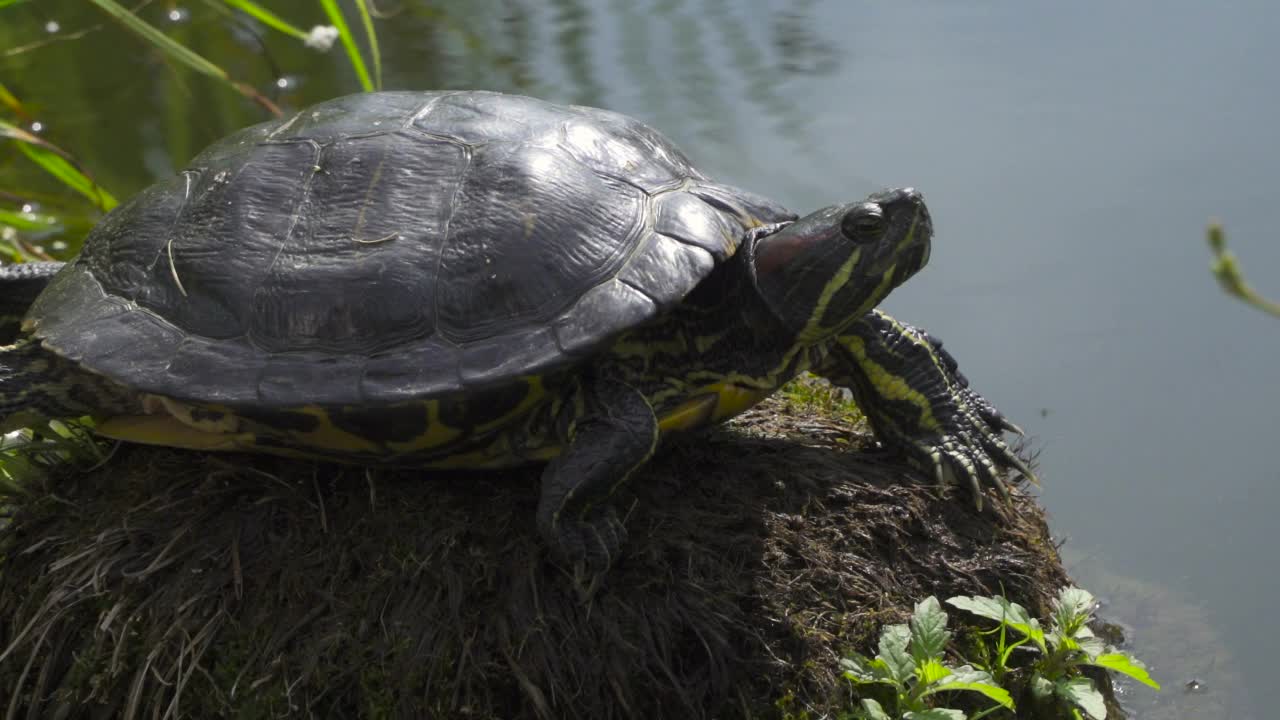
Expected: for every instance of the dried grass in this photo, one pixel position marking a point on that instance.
(172, 584)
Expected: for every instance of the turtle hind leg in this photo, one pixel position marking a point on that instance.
(36, 385)
(27, 376)
(611, 433)
(19, 286)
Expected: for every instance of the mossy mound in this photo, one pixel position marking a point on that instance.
(170, 583)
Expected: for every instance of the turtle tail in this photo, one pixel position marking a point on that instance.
(19, 286)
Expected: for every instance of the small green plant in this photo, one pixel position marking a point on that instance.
(910, 663)
(28, 454)
(1062, 650)
(809, 393)
(909, 671)
(1227, 269)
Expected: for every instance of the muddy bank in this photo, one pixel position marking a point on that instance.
(169, 583)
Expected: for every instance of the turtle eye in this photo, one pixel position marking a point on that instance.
(865, 222)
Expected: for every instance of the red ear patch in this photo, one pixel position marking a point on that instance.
(778, 251)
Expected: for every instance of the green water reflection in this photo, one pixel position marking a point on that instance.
(129, 115)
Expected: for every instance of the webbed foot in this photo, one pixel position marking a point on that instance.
(588, 546)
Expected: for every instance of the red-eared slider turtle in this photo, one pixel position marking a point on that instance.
(476, 280)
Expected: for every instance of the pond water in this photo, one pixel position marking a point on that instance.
(1071, 154)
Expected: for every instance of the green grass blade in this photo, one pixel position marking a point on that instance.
(266, 17)
(180, 52)
(54, 162)
(69, 175)
(171, 47)
(348, 42)
(367, 20)
(27, 222)
(7, 98)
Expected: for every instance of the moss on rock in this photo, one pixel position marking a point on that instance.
(170, 583)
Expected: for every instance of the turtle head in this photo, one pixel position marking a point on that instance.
(825, 270)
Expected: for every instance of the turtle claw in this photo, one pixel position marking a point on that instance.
(991, 476)
(971, 475)
(1000, 451)
(979, 471)
(1005, 425)
(951, 462)
(966, 447)
(589, 546)
(939, 469)
(1001, 488)
(1012, 460)
(917, 400)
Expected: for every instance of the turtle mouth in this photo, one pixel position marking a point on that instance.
(924, 237)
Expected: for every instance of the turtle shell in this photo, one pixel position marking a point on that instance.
(389, 246)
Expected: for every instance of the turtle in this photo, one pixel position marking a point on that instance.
(477, 280)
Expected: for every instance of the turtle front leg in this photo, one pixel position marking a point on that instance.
(918, 403)
(611, 433)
